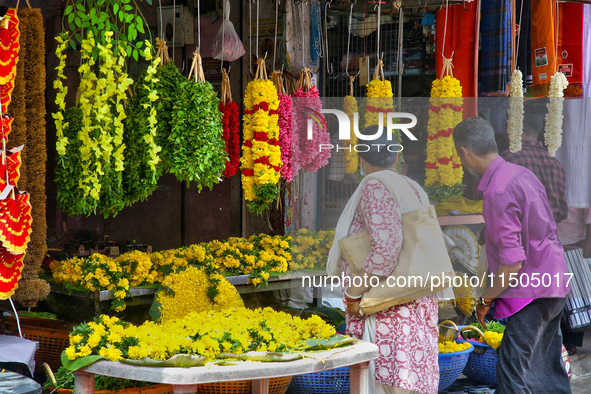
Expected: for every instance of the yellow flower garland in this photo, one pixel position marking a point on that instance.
(351, 157)
(380, 98)
(444, 170)
(261, 153)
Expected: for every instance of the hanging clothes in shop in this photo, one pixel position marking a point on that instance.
(543, 46)
(461, 40)
(523, 44)
(587, 50)
(496, 34)
(570, 47)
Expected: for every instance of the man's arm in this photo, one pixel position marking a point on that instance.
(497, 287)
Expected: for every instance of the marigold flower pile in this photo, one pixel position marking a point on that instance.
(453, 346)
(257, 256)
(190, 290)
(310, 249)
(443, 167)
(207, 334)
(261, 152)
(553, 130)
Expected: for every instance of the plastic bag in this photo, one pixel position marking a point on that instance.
(226, 44)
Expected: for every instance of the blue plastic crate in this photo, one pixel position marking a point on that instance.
(333, 381)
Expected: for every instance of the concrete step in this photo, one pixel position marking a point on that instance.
(581, 361)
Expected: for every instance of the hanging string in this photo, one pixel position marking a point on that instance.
(198, 28)
(325, 41)
(174, 23)
(379, 23)
(223, 35)
(348, 46)
(364, 16)
(444, 29)
(303, 41)
(161, 28)
(518, 35)
(557, 33)
(258, 2)
(447, 67)
(250, 35)
(276, 26)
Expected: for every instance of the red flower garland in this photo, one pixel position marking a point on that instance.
(230, 122)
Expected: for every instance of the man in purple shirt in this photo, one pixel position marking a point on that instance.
(527, 260)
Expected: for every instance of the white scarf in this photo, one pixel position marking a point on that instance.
(403, 194)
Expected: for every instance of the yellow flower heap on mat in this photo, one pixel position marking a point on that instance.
(310, 249)
(515, 114)
(261, 152)
(351, 157)
(453, 347)
(189, 291)
(553, 129)
(443, 167)
(207, 334)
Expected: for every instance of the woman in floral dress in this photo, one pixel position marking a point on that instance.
(407, 334)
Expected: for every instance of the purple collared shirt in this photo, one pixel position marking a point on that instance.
(520, 227)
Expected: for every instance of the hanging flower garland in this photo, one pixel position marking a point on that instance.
(351, 156)
(515, 116)
(306, 154)
(261, 152)
(553, 130)
(284, 113)
(231, 123)
(443, 167)
(379, 98)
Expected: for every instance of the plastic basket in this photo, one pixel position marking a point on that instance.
(276, 386)
(451, 366)
(482, 364)
(333, 381)
(52, 335)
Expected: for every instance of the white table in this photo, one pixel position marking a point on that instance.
(185, 380)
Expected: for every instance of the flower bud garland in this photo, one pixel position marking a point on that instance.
(515, 115)
(306, 154)
(285, 135)
(231, 125)
(351, 157)
(261, 152)
(553, 130)
(443, 167)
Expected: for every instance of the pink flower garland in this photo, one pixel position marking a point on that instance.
(306, 154)
(284, 112)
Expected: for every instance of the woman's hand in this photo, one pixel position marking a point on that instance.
(353, 308)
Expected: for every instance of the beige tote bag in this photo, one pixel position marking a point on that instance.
(423, 255)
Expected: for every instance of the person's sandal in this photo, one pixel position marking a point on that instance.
(571, 349)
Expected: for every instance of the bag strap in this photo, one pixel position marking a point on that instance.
(409, 184)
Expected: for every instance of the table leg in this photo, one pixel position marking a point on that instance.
(184, 388)
(83, 382)
(359, 378)
(260, 386)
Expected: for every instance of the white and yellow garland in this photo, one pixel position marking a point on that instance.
(553, 131)
(515, 114)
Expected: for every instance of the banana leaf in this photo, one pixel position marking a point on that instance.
(261, 356)
(335, 341)
(79, 362)
(179, 360)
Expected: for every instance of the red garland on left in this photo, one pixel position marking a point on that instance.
(231, 123)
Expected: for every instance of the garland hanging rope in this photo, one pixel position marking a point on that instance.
(261, 152)
(31, 288)
(306, 154)
(231, 124)
(350, 107)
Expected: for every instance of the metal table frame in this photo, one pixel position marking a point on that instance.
(185, 380)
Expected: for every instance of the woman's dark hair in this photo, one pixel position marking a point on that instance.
(381, 152)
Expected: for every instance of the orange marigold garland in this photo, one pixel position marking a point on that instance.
(231, 123)
(443, 167)
(261, 153)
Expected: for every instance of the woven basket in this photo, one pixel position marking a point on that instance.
(52, 335)
(482, 364)
(276, 386)
(451, 366)
(333, 381)
(153, 389)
